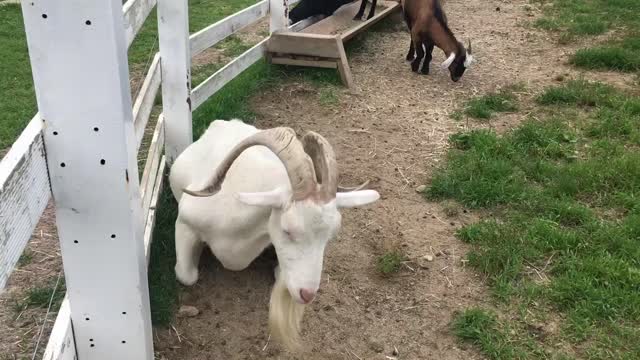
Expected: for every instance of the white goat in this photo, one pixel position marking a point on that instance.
(280, 191)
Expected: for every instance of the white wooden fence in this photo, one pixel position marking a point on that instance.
(82, 148)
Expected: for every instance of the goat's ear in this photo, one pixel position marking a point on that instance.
(356, 198)
(275, 198)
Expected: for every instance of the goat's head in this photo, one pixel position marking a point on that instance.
(458, 61)
(304, 214)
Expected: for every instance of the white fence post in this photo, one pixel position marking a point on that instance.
(79, 59)
(175, 52)
(278, 15)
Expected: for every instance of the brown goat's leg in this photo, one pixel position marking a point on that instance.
(372, 11)
(360, 12)
(419, 55)
(412, 51)
(427, 57)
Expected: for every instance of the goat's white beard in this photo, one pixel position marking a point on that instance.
(285, 316)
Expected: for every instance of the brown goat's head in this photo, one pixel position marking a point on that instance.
(459, 61)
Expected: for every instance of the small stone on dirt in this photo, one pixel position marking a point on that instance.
(376, 346)
(428, 257)
(421, 188)
(188, 311)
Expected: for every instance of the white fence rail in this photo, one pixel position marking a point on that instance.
(135, 13)
(24, 193)
(25, 187)
(217, 32)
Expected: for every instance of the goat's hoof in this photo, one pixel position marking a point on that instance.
(186, 277)
(409, 58)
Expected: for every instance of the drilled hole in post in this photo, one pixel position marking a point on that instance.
(124, 342)
(90, 339)
(92, 345)
(44, 16)
(75, 241)
(87, 319)
(124, 313)
(96, 129)
(113, 236)
(63, 164)
(55, 133)
(88, 22)
(103, 161)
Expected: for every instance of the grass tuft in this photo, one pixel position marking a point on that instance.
(390, 262)
(485, 106)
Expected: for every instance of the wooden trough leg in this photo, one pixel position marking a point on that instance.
(343, 65)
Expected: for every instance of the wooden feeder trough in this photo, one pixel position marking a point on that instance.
(322, 44)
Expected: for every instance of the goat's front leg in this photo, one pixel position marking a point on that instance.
(419, 55)
(188, 251)
(427, 57)
(372, 11)
(412, 51)
(360, 12)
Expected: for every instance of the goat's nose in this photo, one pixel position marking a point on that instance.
(307, 295)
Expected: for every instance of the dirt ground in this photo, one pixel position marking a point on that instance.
(391, 130)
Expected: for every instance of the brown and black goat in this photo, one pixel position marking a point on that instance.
(427, 23)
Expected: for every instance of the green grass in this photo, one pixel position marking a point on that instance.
(623, 56)
(390, 262)
(496, 340)
(484, 107)
(564, 192)
(25, 259)
(40, 296)
(579, 18)
(18, 104)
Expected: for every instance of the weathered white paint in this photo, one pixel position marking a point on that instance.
(173, 29)
(98, 207)
(135, 13)
(151, 218)
(278, 15)
(221, 77)
(61, 345)
(144, 102)
(24, 193)
(215, 33)
(147, 182)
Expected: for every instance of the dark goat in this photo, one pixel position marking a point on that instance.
(372, 11)
(427, 23)
(308, 8)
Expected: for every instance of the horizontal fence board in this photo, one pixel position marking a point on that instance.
(221, 77)
(61, 345)
(147, 183)
(151, 218)
(135, 13)
(145, 100)
(218, 31)
(24, 193)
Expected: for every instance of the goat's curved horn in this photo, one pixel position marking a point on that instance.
(325, 164)
(349, 189)
(449, 60)
(282, 142)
